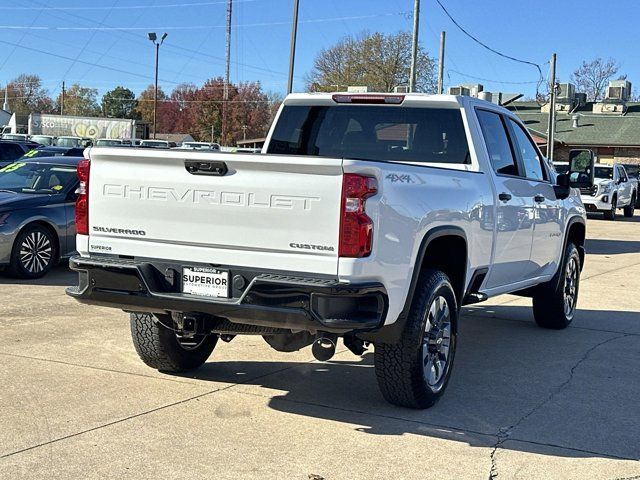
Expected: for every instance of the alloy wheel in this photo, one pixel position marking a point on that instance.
(36, 252)
(436, 343)
(570, 287)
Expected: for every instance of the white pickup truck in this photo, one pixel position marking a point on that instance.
(371, 217)
(613, 189)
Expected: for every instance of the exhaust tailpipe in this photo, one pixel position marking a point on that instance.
(324, 346)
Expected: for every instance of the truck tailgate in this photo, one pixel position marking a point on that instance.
(267, 212)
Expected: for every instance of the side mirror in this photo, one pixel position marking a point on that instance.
(562, 188)
(581, 171)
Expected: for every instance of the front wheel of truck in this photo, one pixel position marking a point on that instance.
(415, 371)
(161, 347)
(554, 302)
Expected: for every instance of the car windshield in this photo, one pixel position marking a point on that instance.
(42, 139)
(425, 135)
(33, 177)
(68, 142)
(604, 172)
(151, 143)
(108, 143)
(14, 137)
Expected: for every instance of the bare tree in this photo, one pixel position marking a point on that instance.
(27, 95)
(372, 59)
(593, 77)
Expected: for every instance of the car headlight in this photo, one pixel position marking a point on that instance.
(606, 188)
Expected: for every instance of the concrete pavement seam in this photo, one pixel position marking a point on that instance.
(434, 425)
(497, 317)
(504, 433)
(140, 414)
(79, 365)
(574, 449)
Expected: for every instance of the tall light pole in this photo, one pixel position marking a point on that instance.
(154, 38)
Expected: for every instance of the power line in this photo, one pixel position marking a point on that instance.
(493, 50)
(532, 82)
(169, 46)
(196, 27)
(104, 67)
(89, 40)
(130, 7)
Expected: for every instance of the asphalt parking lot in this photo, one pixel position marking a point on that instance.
(76, 402)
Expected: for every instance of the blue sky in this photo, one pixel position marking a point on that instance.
(194, 49)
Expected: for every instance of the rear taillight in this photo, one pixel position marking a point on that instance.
(82, 202)
(356, 228)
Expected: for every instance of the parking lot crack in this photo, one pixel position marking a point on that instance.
(504, 433)
(146, 412)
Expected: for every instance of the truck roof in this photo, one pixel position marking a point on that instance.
(408, 99)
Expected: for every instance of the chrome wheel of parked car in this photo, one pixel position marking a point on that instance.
(36, 252)
(436, 341)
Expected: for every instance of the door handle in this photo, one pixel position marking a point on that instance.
(504, 196)
(539, 198)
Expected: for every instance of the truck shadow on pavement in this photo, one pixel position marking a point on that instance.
(619, 217)
(59, 276)
(611, 247)
(563, 393)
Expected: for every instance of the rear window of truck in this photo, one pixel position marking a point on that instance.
(426, 135)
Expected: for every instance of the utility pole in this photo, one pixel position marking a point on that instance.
(414, 46)
(244, 132)
(211, 133)
(225, 98)
(292, 51)
(441, 63)
(551, 130)
(62, 99)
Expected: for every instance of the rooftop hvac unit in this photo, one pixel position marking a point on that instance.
(581, 99)
(401, 89)
(459, 91)
(616, 93)
(619, 90)
(567, 91)
(488, 96)
(474, 88)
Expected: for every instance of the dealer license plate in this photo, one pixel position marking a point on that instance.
(209, 282)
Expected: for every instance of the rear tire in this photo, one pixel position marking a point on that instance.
(628, 210)
(415, 371)
(159, 347)
(554, 303)
(611, 214)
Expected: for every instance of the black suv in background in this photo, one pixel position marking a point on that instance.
(11, 150)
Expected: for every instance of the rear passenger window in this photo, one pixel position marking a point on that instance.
(528, 153)
(495, 136)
